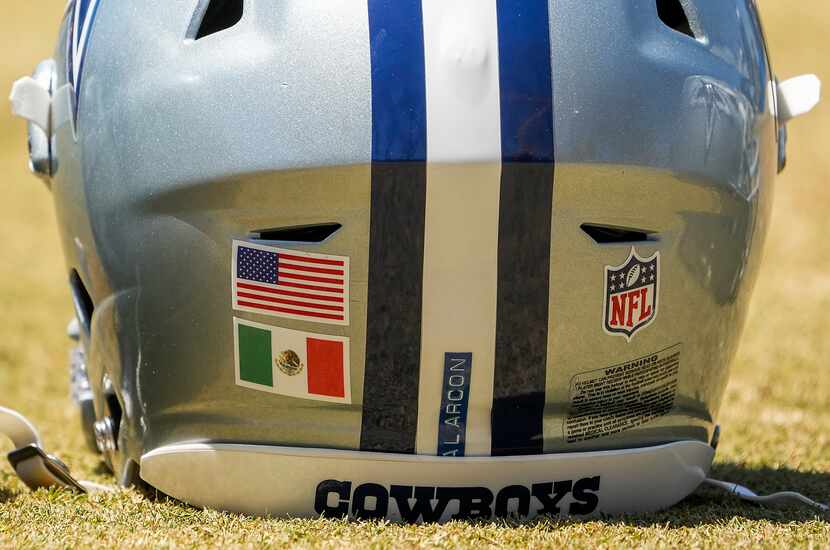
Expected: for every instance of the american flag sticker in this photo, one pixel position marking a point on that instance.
(290, 284)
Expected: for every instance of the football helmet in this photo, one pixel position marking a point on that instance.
(409, 259)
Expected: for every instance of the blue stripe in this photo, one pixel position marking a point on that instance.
(83, 6)
(525, 212)
(526, 84)
(82, 48)
(396, 233)
(398, 81)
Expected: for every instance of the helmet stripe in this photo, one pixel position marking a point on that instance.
(461, 243)
(525, 212)
(82, 17)
(396, 246)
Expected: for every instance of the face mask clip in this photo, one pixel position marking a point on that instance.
(31, 463)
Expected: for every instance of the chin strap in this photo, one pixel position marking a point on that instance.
(31, 463)
(786, 497)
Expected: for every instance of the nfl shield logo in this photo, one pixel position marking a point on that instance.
(631, 294)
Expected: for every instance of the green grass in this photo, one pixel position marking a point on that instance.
(775, 418)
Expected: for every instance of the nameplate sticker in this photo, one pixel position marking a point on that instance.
(452, 422)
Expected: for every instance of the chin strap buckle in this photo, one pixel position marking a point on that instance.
(38, 469)
(31, 463)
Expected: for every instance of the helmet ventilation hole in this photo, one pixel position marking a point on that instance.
(82, 301)
(603, 234)
(674, 15)
(298, 234)
(218, 15)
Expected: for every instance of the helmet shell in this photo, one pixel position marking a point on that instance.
(183, 146)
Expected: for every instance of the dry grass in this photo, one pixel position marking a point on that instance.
(776, 418)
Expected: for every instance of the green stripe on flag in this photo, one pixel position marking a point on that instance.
(255, 356)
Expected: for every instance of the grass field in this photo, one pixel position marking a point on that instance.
(776, 418)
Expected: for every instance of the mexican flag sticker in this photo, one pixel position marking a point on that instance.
(291, 362)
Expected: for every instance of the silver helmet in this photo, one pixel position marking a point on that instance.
(412, 259)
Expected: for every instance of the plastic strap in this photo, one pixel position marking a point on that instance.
(749, 495)
(16, 427)
(32, 464)
(798, 96)
(32, 101)
(61, 107)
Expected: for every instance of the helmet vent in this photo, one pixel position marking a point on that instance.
(82, 301)
(603, 234)
(674, 15)
(218, 15)
(298, 234)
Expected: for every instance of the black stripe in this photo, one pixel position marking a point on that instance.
(393, 331)
(525, 210)
(396, 234)
(522, 309)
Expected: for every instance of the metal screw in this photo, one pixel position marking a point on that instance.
(105, 435)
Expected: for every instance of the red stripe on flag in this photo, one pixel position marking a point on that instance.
(321, 261)
(310, 269)
(309, 278)
(312, 287)
(325, 367)
(272, 299)
(291, 311)
(258, 288)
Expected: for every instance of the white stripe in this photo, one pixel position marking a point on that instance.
(316, 299)
(308, 263)
(87, 22)
(462, 206)
(74, 46)
(295, 289)
(284, 340)
(291, 271)
(82, 29)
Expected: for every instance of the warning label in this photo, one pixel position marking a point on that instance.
(618, 398)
